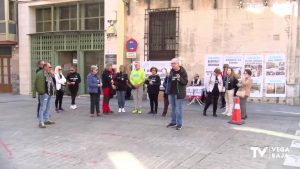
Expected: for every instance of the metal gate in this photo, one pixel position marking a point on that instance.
(161, 33)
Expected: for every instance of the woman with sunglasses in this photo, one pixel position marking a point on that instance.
(245, 86)
(60, 88)
(73, 80)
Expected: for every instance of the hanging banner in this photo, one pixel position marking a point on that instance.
(275, 75)
(255, 64)
(236, 62)
(212, 62)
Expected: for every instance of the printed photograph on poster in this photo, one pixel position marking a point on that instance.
(275, 87)
(236, 62)
(256, 89)
(275, 65)
(255, 64)
(212, 62)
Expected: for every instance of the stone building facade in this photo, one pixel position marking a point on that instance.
(193, 29)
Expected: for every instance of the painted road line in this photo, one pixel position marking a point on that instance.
(292, 160)
(5, 147)
(297, 133)
(295, 144)
(287, 112)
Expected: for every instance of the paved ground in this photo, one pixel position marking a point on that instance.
(124, 140)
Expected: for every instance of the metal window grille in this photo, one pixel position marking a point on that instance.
(161, 33)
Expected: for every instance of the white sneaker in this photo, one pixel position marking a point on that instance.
(71, 107)
(120, 110)
(224, 113)
(75, 106)
(229, 114)
(123, 110)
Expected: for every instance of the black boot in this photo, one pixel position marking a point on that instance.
(204, 113)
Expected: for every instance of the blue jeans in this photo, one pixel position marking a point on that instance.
(121, 98)
(176, 105)
(45, 105)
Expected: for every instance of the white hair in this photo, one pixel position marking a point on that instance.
(175, 60)
(94, 67)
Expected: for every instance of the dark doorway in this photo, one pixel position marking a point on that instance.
(5, 69)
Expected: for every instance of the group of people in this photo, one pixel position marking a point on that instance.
(227, 85)
(48, 83)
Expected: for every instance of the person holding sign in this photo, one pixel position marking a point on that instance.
(213, 87)
(153, 83)
(230, 84)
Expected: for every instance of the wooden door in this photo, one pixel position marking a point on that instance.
(5, 75)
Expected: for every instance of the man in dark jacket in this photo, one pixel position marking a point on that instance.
(40, 65)
(178, 80)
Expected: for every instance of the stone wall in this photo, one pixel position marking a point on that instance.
(229, 29)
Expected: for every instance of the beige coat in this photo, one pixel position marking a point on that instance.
(246, 85)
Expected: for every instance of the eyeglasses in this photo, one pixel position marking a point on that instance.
(59, 69)
(50, 67)
(72, 70)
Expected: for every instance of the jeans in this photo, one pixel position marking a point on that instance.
(153, 102)
(121, 98)
(59, 98)
(138, 97)
(45, 105)
(176, 105)
(166, 104)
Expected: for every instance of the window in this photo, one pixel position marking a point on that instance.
(94, 16)
(2, 28)
(68, 18)
(43, 20)
(12, 28)
(2, 11)
(12, 10)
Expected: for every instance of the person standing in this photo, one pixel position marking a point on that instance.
(153, 84)
(224, 73)
(137, 78)
(73, 81)
(230, 84)
(178, 79)
(44, 85)
(245, 86)
(40, 65)
(213, 85)
(121, 81)
(107, 81)
(60, 88)
(94, 84)
(165, 85)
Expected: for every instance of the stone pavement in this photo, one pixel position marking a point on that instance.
(131, 141)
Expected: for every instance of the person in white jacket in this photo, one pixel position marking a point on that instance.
(60, 88)
(213, 85)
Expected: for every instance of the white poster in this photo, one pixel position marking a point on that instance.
(255, 64)
(236, 62)
(275, 75)
(158, 64)
(212, 62)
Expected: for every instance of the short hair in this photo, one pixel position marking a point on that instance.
(175, 60)
(74, 67)
(94, 67)
(153, 68)
(248, 71)
(39, 62)
(225, 66)
(217, 71)
(46, 64)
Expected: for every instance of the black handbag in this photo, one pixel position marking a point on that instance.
(112, 91)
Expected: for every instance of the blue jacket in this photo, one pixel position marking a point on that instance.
(92, 83)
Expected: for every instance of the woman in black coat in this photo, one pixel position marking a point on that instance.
(153, 83)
